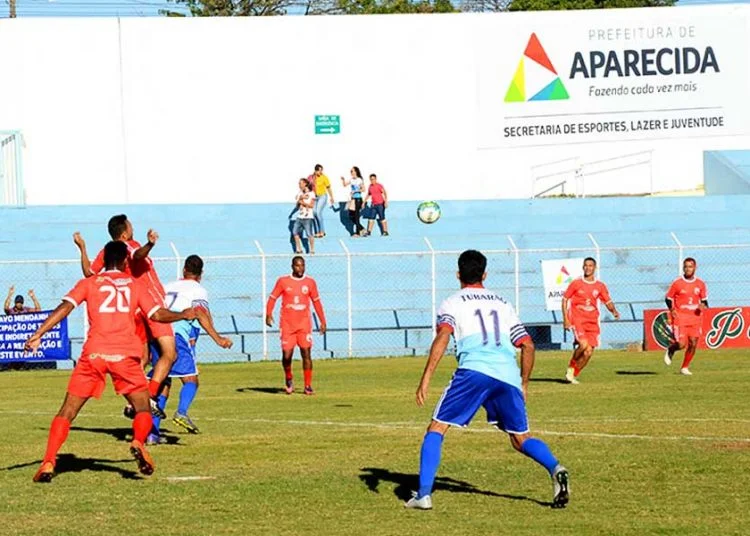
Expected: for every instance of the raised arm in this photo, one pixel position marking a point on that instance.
(55, 317)
(142, 252)
(439, 344)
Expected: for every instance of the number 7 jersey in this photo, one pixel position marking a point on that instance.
(487, 332)
(112, 298)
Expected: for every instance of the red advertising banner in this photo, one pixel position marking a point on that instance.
(723, 327)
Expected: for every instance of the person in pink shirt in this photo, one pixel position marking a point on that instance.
(376, 192)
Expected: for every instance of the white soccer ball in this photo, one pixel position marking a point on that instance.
(428, 212)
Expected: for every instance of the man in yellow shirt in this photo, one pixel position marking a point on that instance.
(323, 195)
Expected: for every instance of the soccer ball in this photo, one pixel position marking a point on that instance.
(428, 212)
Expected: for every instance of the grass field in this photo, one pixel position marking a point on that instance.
(649, 452)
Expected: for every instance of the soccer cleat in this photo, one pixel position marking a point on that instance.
(145, 462)
(667, 358)
(289, 387)
(45, 473)
(156, 411)
(685, 371)
(129, 412)
(570, 376)
(561, 489)
(184, 421)
(422, 503)
(309, 390)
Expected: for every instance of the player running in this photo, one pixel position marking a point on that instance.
(487, 332)
(140, 266)
(111, 346)
(686, 299)
(580, 309)
(296, 292)
(182, 294)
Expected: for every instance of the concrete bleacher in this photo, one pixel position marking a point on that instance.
(392, 285)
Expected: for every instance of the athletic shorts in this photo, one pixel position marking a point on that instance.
(469, 389)
(89, 374)
(586, 331)
(376, 212)
(184, 365)
(298, 337)
(682, 333)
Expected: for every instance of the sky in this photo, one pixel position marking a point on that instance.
(151, 8)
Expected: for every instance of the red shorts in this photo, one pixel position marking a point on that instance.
(586, 331)
(89, 376)
(299, 337)
(682, 333)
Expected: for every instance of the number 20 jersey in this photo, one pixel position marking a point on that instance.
(487, 332)
(112, 299)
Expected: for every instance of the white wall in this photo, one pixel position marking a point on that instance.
(221, 110)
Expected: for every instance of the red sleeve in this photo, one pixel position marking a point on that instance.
(317, 304)
(144, 299)
(278, 288)
(98, 264)
(604, 294)
(78, 294)
(570, 290)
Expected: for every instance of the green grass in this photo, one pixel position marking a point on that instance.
(336, 463)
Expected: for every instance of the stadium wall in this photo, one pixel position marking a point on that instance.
(222, 110)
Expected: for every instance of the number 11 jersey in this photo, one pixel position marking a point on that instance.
(487, 332)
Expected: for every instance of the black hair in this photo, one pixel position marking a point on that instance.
(690, 259)
(115, 253)
(471, 266)
(357, 172)
(194, 265)
(318, 167)
(117, 225)
(592, 259)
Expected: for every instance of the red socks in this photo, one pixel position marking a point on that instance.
(58, 433)
(288, 372)
(142, 426)
(688, 358)
(308, 377)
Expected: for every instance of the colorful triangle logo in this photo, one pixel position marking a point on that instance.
(536, 78)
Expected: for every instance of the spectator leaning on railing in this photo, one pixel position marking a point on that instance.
(18, 307)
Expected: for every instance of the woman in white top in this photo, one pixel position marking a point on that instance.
(356, 185)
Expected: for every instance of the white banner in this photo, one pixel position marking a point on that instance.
(612, 75)
(557, 275)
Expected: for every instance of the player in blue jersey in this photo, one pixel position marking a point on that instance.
(487, 333)
(186, 290)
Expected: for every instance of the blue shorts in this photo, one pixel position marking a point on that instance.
(376, 212)
(184, 365)
(468, 390)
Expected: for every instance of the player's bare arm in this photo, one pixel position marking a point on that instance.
(55, 317)
(528, 356)
(151, 238)
(37, 305)
(442, 338)
(206, 322)
(85, 261)
(566, 321)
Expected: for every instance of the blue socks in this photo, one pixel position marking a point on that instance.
(187, 395)
(161, 401)
(429, 461)
(537, 450)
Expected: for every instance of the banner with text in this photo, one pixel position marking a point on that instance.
(613, 75)
(557, 275)
(15, 329)
(723, 327)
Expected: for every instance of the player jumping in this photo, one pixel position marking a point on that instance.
(182, 294)
(580, 309)
(487, 331)
(111, 346)
(296, 292)
(686, 299)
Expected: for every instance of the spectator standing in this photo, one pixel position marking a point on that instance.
(305, 216)
(356, 185)
(18, 307)
(321, 186)
(376, 192)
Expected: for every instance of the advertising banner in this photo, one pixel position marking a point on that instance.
(15, 329)
(723, 327)
(558, 274)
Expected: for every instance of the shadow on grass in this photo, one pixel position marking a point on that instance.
(550, 380)
(265, 390)
(70, 463)
(405, 483)
(635, 373)
(125, 434)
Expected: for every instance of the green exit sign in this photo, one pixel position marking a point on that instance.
(327, 124)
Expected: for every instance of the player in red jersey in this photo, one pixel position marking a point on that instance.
(111, 346)
(580, 309)
(142, 268)
(686, 299)
(296, 291)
